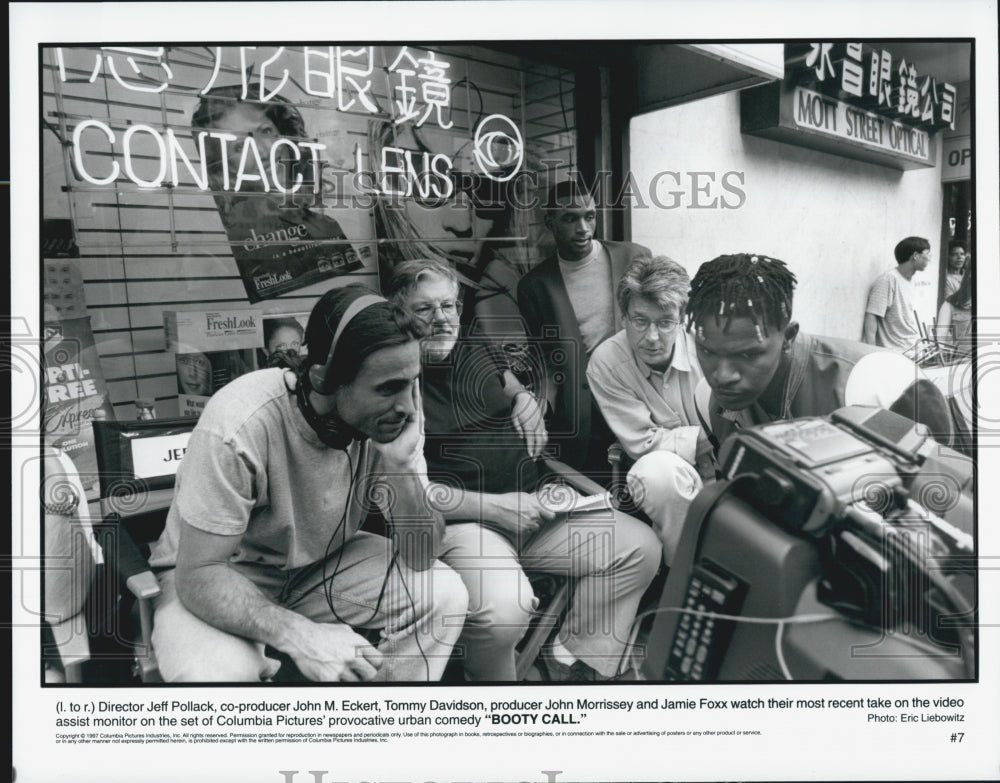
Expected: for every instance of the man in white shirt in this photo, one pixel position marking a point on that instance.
(890, 320)
(263, 545)
(644, 379)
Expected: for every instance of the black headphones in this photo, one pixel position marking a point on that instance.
(330, 428)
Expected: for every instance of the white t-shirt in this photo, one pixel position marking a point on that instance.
(255, 468)
(891, 299)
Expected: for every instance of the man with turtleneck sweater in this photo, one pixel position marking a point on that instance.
(570, 296)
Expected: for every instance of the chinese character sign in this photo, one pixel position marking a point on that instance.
(874, 79)
(288, 142)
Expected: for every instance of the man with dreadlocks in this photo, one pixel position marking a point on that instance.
(759, 367)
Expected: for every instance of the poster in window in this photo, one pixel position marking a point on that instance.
(75, 393)
(280, 242)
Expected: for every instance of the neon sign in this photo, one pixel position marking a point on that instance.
(171, 157)
(212, 157)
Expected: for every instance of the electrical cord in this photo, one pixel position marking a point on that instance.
(781, 622)
(897, 544)
(722, 492)
(327, 555)
(469, 84)
(393, 563)
(413, 609)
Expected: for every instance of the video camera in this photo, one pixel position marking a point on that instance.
(832, 548)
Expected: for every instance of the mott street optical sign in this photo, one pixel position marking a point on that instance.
(854, 101)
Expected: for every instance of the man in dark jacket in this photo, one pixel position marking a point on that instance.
(568, 302)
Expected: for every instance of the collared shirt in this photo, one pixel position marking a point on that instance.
(650, 410)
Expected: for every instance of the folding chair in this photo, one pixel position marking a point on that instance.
(137, 462)
(553, 590)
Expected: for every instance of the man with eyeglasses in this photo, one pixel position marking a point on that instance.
(480, 454)
(890, 320)
(644, 379)
(434, 299)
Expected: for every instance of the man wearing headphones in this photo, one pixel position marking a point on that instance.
(262, 545)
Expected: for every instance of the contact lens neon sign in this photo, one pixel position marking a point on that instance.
(402, 172)
(417, 87)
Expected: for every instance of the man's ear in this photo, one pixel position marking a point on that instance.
(791, 332)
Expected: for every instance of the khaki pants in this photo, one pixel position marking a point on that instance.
(664, 484)
(422, 613)
(611, 557)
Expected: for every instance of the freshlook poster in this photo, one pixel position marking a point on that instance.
(620, 731)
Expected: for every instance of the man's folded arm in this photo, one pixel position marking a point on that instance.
(633, 425)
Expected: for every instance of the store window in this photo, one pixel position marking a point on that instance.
(197, 198)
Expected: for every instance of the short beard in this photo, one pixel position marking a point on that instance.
(434, 350)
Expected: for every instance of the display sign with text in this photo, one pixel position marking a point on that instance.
(320, 161)
(956, 149)
(875, 78)
(816, 112)
(854, 100)
(801, 116)
(158, 456)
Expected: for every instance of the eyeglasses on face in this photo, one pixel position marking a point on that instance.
(450, 308)
(642, 323)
